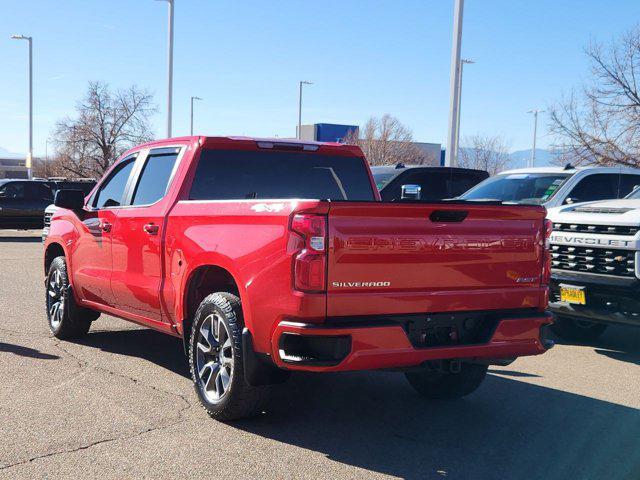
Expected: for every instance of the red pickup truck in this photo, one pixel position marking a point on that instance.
(268, 256)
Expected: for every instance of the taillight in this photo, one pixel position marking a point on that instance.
(309, 265)
(546, 255)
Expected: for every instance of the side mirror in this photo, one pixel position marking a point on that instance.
(69, 199)
(410, 192)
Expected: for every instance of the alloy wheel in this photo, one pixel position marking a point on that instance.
(56, 299)
(214, 358)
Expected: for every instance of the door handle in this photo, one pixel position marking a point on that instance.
(151, 228)
(105, 226)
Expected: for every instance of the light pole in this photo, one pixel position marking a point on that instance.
(459, 109)
(450, 155)
(30, 153)
(192, 99)
(302, 82)
(535, 134)
(170, 68)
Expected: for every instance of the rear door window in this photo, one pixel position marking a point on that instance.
(628, 184)
(40, 191)
(599, 186)
(236, 175)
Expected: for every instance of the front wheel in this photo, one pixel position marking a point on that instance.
(66, 318)
(215, 358)
(577, 330)
(441, 385)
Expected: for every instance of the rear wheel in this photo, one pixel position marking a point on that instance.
(215, 358)
(441, 385)
(66, 318)
(577, 330)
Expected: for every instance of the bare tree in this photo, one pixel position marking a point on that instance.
(48, 167)
(107, 124)
(386, 141)
(601, 123)
(484, 153)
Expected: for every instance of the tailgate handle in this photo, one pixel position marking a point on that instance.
(448, 216)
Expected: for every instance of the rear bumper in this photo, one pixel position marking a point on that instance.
(388, 346)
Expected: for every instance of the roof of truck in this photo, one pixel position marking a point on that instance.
(232, 138)
(569, 170)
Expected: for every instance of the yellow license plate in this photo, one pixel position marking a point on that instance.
(573, 295)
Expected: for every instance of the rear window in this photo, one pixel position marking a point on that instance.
(236, 175)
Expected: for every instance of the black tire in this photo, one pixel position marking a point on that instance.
(445, 386)
(577, 330)
(65, 317)
(223, 362)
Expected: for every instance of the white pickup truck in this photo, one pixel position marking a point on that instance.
(595, 279)
(555, 186)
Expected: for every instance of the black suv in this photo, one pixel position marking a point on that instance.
(436, 183)
(23, 202)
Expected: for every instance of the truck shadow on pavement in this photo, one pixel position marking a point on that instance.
(163, 350)
(508, 429)
(22, 351)
(618, 342)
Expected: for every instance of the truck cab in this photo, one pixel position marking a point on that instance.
(434, 183)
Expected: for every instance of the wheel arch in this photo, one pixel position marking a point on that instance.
(202, 281)
(53, 250)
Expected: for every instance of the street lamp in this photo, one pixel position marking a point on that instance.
(302, 82)
(170, 68)
(459, 109)
(192, 99)
(451, 159)
(535, 134)
(30, 153)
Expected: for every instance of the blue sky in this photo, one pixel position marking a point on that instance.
(365, 57)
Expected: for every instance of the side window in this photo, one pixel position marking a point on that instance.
(600, 186)
(13, 190)
(112, 189)
(155, 176)
(628, 183)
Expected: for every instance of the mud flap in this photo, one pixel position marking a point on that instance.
(259, 371)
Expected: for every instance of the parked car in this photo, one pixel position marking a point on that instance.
(595, 251)
(268, 256)
(555, 186)
(84, 184)
(435, 183)
(22, 203)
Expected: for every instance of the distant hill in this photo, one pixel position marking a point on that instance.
(520, 158)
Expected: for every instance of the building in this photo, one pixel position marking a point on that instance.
(332, 132)
(13, 165)
(327, 132)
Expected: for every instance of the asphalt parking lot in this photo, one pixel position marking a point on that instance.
(119, 404)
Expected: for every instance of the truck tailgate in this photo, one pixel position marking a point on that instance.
(414, 258)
